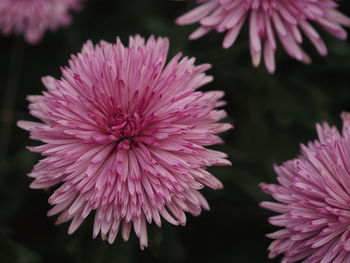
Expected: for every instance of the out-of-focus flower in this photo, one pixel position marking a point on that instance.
(31, 18)
(124, 136)
(313, 198)
(287, 19)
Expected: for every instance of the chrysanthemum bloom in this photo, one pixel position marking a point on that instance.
(287, 19)
(314, 198)
(124, 136)
(31, 18)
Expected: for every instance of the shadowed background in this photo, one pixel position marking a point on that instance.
(272, 114)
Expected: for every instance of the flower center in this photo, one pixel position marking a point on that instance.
(127, 125)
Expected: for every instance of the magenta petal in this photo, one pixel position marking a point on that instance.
(313, 199)
(266, 19)
(124, 135)
(31, 18)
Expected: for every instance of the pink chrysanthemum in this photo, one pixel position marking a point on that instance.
(287, 19)
(314, 199)
(31, 18)
(124, 136)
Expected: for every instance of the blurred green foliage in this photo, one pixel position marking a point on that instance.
(272, 114)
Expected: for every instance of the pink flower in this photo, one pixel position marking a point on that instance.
(287, 19)
(313, 199)
(124, 135)
(31, 18)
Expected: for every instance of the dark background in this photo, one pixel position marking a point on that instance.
(272, 114)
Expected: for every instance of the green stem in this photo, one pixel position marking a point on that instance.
(9, 99)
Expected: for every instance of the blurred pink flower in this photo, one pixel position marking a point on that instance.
(313, 198)
(31, 18)
(287, 19)
(124, 136)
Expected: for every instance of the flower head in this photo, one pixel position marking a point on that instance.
(287, 19)
(124, 135)
(313, 198)
(31, 18)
